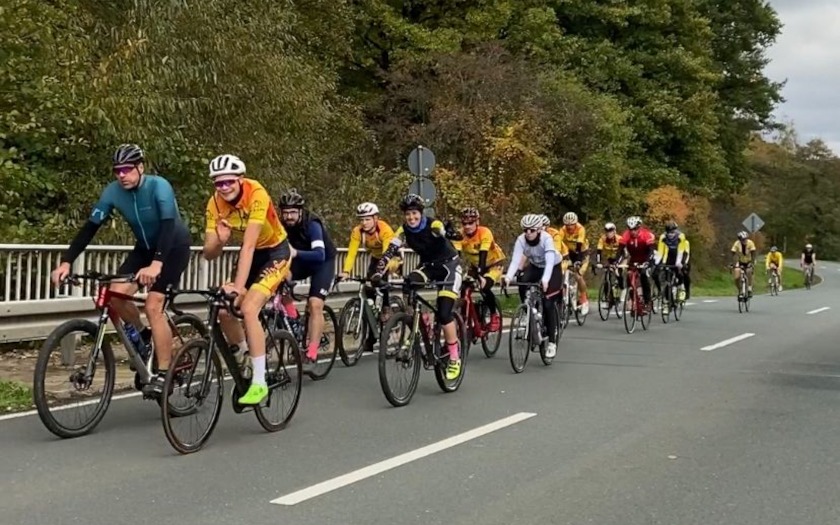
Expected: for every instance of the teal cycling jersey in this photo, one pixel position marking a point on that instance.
(143, 207)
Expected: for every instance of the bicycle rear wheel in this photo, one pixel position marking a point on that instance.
(197, 377)
(72, 399)
(519, 339)
(326, 347)
(284, 377)
(399, 359)
(490, 341)
(352, 332)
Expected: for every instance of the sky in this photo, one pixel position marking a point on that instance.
(807, 54)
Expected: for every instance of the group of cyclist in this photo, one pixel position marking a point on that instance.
(744, 254)
(294, 242)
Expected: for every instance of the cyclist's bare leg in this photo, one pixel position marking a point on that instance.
(127, 310)
(316, 325)
(161, 333)
(250, 307)
(737, 274)
(232, 328)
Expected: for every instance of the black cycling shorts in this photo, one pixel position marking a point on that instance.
(320, 276)
(173, 266)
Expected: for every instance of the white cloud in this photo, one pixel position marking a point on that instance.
(807, 54)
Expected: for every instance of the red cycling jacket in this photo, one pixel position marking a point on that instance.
(640, 247)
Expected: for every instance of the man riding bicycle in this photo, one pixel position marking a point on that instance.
(430, 240)
(159, 257)
(638, 244)
(774, 263)
(743, 252)
(484, 258)
(607, 252)
(573, 235)
(314, 259)
(808, 259)
(535, 250)
(672, 251)
(241, 209)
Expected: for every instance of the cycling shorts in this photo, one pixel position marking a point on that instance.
(269, 268)
(173, 266)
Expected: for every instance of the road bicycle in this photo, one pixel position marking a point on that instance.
(528, 327)
(744, 295)
(73, 386)
(361, 319)
(773, 281)
(298, 325)
(476, 315)
(672, 299)
(635, 308)
(197, 376)
(609, 294)
(411, 338)
(569, 298)
(809, 276)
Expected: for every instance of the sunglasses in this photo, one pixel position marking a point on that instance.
(530, 230)
(468, 223)
(122, 170)
(221, 184)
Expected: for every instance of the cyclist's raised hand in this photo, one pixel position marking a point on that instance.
(223, 230)
(60, 273)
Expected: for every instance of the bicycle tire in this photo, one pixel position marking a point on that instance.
(42, 404)
(604, 293)
(322, 366)
(351, 307)
(411, 356)
(287, 374)
(489, 347)
(545, 359)
(446, 385)
(194, 322)
(203, 354)
(521, 333)
(580, 319)
(665, 300)
(630, 310)
(647, 317)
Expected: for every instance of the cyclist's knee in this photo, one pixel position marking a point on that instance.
(154, 304)
(251, 304)
(316, 305)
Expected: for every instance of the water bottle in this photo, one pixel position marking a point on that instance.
(297, 328)
(137, 341)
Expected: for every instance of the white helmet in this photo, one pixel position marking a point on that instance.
(809, 246)
(545, 220)
(367, 209)
(226, 165)
(570, 218)
(532, 220)
(609, 227)
(742, 235)
(634, 222)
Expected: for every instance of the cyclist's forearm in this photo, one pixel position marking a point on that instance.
(80, 242)
(212, 247)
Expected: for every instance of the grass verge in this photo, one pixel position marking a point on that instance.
(14, 396)
(721, 284)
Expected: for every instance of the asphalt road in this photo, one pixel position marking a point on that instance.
(628, 429)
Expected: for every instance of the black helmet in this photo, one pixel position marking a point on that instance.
(292, 199)
(128, 155)
(670, 226)
(470, 213)
(412, 201)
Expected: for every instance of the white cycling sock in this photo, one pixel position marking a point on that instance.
(259, 370)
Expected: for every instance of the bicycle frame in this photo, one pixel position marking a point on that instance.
(430, 357)
(368, 317)
(533, 302)
(470, 312)
(634, 281)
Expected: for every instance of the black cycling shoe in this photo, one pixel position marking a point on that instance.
(155, 387)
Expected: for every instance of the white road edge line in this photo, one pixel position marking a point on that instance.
(710, 301)
(377, 468)
(818, 310)
(727, 342)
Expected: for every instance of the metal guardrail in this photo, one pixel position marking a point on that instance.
(30, 306)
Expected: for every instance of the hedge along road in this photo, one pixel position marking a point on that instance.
(621, 429)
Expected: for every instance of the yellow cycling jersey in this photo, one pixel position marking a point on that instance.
(253, 207)
(481, 240)
(608, 247)
(774, 258)
(375, 243)
(666, 245)
(744, 251)
(573, 238)
(559, 245)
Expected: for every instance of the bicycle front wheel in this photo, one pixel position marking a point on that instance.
(665, 304)
(352, 332)
(399, 359)
(284, 377)
(73, 396)
(196, 377)
(604, 299)
(519, 339)
(490, 341)
(630, 310)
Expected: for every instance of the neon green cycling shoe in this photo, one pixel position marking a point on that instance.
(453, 370)
(254, 395)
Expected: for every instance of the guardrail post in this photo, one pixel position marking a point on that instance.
(204, 273)
(78, 267)
(68, 348)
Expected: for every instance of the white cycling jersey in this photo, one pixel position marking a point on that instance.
(542, 255)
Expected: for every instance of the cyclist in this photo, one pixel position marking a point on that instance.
(686, 270)
(241, 209)
(314, 259)
(375, 235)
(808, 259)
(638, 244)
(774, 262)
(484, 257)
(535, 248)
(607, 251)
(743, 260)
(159, 257)
(573, 235)
(430, 239)
(672, 251)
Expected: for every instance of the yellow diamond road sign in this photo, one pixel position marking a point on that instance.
(753, 223)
